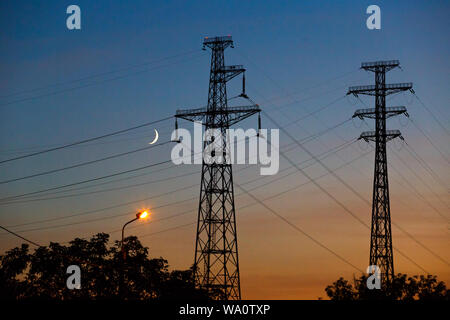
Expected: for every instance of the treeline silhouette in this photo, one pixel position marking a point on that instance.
(105, 275)
(402, 287)
(41, 275)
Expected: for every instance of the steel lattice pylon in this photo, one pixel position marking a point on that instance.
(216, 263)
(381, 253)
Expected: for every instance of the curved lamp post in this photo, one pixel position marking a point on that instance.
(139, 215)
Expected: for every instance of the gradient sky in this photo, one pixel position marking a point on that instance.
(134, 62)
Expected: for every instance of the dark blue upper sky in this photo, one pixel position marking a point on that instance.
(298, 43)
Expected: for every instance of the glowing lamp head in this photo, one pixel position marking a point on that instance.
(142, 215)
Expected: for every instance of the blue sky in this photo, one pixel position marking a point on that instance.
(312, 40)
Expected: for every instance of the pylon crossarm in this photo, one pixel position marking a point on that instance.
(374, 66)
(372, 90)
(242, 113)
(371, 135)
(222, 42)
(231, 71)
(371, 112)
(191, 114)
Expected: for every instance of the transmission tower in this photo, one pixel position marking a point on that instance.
(381, 253)
(216, 263)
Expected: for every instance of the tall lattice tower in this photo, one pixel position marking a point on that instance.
(381, 253)
(216, 263)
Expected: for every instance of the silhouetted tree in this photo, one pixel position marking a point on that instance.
(401, 287)
(13, 264)
(104, 274)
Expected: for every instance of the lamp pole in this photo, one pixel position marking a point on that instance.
(123, 232)
(139, 215)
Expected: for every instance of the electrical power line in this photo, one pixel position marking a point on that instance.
(348, 187)
(424, 164)
(243, 207)
(98, 74)
(323, 155)
(85, 181)
(90, 84)
(309, 138)
(413, 188)
(298, 228)
(285, 220)
(85, 163)
(241, 194)
(106, 217)
(321, 133)
(417, 192)
(100, 191)
(291, 94)
(19, 236)
(326, 106)
(421, 180)
(26, 150)
(354, 191)
(429, 140)
(432, 114)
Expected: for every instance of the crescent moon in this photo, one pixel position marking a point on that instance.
(156, 137)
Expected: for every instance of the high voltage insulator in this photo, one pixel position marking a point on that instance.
(216, 264)
(381, 253)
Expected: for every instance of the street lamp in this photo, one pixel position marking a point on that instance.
(139, 215)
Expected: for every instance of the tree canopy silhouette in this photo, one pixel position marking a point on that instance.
(402, 287)
(104, 274)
